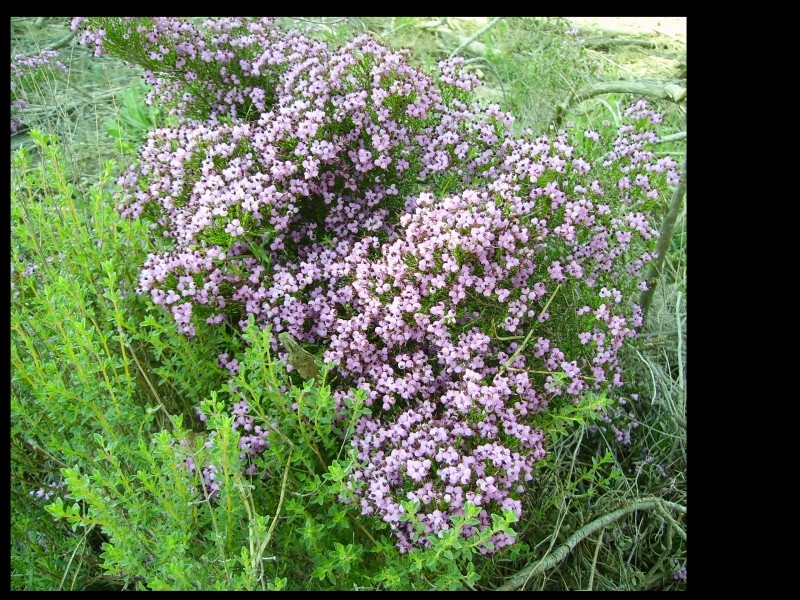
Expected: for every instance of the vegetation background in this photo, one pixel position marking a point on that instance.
(98, 375)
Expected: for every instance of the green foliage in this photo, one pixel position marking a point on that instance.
(569, 416)
(528, 64)
(163, 532)
(96, 379)
(130, 124)
(537, 54)
(94, 369)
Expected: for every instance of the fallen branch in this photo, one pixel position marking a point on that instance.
(664, 240)
(665, 90)
(673, 523)
(520, 578)
(681, 135)
(62, 42)
(475, 36)
(605, 43)
(435, 24)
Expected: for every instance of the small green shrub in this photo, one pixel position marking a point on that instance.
(92, 364)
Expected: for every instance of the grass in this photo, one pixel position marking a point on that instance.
(79, 105)
(528, 66)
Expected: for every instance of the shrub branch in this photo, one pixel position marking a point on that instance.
(664, 240)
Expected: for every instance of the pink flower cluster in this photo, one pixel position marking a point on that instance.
(462, 276)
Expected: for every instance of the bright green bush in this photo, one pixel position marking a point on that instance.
(92, 366)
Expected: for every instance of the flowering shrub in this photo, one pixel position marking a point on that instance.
(462, 277)
(24, 70)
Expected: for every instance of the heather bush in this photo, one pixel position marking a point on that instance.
(339, 325)
(463, 278)
(103, 435)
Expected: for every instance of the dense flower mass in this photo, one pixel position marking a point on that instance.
(460, 275)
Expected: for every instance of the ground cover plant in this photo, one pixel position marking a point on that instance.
(341, 324)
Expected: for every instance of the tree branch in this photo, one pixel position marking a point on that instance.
(520, 578)
(605, 43)
(664, 89)
(681, 135)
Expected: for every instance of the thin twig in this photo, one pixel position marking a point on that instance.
(681, 135)
(475, 36)
(356, 522)
(519, 578)
(594, 562)
(82, 541)
(524, 343)
(142, 372)
(496, 75)
(652, 375)
(35, 447)
(277, 510)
